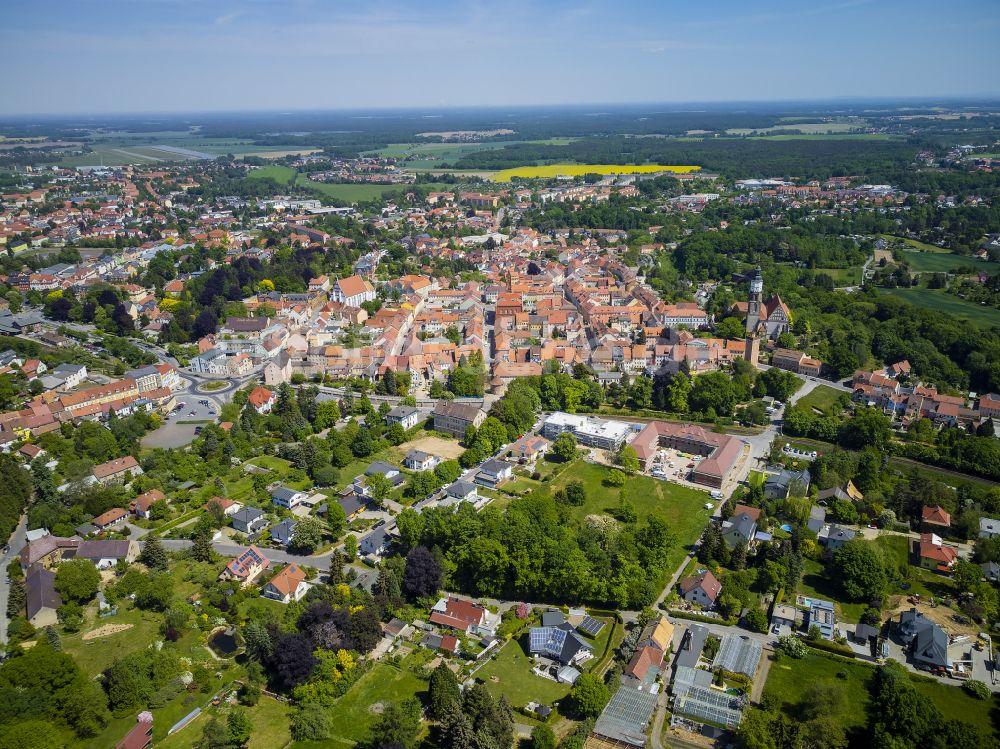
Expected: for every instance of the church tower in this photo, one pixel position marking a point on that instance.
(756, 302)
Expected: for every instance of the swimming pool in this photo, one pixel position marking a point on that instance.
(786, 528)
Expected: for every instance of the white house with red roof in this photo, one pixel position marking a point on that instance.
(352, 291)
(262, 400)
(287, 586)
(464, 616)
(703, 589)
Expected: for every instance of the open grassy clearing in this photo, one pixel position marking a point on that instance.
(939, 262)
(283, 175)
(787, 677)
(351, 193)
(826, 136)
(843, 276)
(941, 301)
(810, 128)
(824, 398)
(353, 714)
(815, 584)
(573, 170)
(917, 244)
(682, 507)
(510, 674)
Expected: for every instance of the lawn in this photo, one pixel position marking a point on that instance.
(680, 506)
(270, 725)
(786, 679)
(824, 398)
(939, 262)
(510, 673)
(941, 301)
(921, 581)
(815, 584)
(359, 193)
(97, 654)
(283, 175)
(843, 276)
(352, 715)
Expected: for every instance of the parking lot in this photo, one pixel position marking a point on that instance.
(192, 407)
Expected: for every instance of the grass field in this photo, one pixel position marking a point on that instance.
(815, 584)
(510, 674)
(349, 193)
(809, 128)
(940, 262)
(573, 170)
(424, 155)
(822, 397)
(680, 506)
(941, 301)
(352, 716)
(827, 136)
(283, 175)
(917, 244)
(787, 678)
(843, 276)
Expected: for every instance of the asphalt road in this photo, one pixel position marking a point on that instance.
(175, 434)
(17, 542)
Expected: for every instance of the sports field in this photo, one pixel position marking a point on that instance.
(574, 170)
(937, 299)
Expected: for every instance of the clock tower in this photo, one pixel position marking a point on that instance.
(756, 302)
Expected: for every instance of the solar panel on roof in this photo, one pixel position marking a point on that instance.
(591, 626)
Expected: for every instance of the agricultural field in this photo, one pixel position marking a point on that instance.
(574, 170)
(945, 262)
(937, 299)
(807, 128)
(420, 156)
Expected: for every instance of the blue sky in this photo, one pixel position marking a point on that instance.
(94, 56)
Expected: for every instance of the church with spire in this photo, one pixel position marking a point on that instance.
(767, 319)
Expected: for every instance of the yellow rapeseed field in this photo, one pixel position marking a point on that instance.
(573, 170)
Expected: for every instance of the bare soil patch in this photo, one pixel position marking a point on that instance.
(105, 631)
(448, 449)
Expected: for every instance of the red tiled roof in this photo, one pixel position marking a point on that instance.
(642, 660)
(706, 581)
(111, 516)
(935, 515)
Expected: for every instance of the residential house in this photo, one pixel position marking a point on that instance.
(109, 519)
(249, 520)
(352, 503)
(106, 553)
(141, 505)
(989, 528)
(645, 665)
(454, 417)
(119, 469)
(817, 518)
(658, 633)
(926, 641)
(529, 448)
(282, 496)
(702, 589)
(407, 416)
(42, 597)
(833, 537)
(246, 567)
(935, 519)
(560, 643)
(934, 555)
(284, 532)
(418, 460)
(288, 585)
(462, 491)
(229, 506)
(262, 400)
(786, 481)
(465, 616)
(494, 472)
(375, 543)
(741, 526)
(381, 468)
(785, 615)
(821, 616)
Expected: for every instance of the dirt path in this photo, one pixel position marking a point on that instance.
(105, 631)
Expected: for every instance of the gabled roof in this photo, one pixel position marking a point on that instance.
(288, 579)
(260, 396)
(115, 466)
(936, 515)
(41, 590)
(243, 565)
(706, 581)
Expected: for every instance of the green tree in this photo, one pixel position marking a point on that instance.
(336, 520)
(153, 554)
(860, 571)
(589, 695)
(731, 328)
(308, 535)
(542, 737)
(77, 580)
(379, 488)
(628, 460)
(444, 691)
(240, 727)
(564, 447)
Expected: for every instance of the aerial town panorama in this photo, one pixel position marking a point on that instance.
(426, 426)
